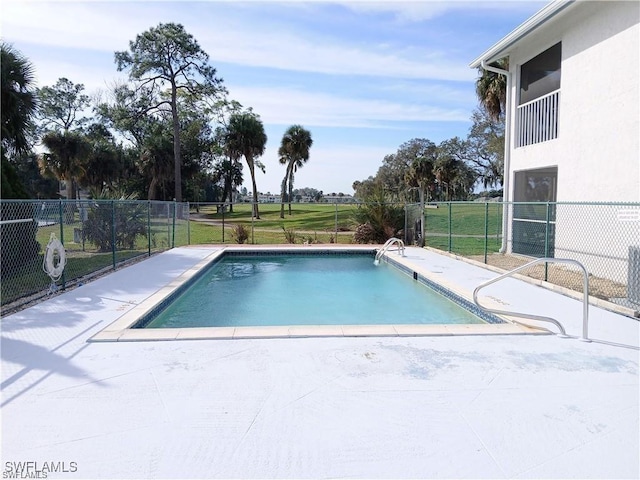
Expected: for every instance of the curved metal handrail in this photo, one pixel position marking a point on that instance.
(387, 246)
(585, 296)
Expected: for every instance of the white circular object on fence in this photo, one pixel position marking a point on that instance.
(54, 249)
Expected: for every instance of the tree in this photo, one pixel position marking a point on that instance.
(245, 137)
(491, 89)
(61, 105)
(104, 160)
(294, 153)
(19, 246)
(28, 171)
(229, 173)
(485, 145)
(67, 153)
(131, 113)
(19, 102)
(228, 169)
(156, 160)
(168, 56)
(419, 154)
(452, 173)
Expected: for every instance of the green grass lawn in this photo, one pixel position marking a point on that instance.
(320, 221)
(464, 245)
(304, 216)
(466, 219)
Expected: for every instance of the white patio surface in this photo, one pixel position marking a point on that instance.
(466, 406)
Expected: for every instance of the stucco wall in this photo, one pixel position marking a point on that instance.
(597, 151)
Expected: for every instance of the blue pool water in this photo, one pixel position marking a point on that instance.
(307, 289)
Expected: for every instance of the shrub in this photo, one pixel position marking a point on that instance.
(378, 219)
(290, 235)
(240, 233)
(364, 234)
(130, 221)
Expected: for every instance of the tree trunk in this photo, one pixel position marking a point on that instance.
(153, 189)
(283, 192)
(176, 144)
(68, 182)
(256, 214)
(290, 188)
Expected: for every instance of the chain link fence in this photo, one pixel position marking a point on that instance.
(306, 223)
(100, 235)
(97, 235)
(604, 237)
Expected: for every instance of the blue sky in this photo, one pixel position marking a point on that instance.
(363, 77)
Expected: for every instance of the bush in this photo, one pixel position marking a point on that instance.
(289, 234)
(130, 222)
(378, 219)
(240, 234)
(364, 234)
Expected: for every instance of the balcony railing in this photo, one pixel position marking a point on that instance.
(538, 120)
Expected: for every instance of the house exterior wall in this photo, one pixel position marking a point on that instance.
(598, 144)
(597, 151)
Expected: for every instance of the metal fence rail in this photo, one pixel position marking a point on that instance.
(98, 235)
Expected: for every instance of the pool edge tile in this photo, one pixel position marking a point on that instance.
(306, 331)
(369, 331)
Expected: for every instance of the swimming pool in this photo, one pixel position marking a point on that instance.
(409, 273)
(301, 288)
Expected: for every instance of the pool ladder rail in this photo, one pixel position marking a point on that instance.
(385, 248)
(585, 296)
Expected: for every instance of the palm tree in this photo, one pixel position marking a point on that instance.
(491, 89)
(294, 153)
(245, 136)
(446, 169)
(65, 160)
(229, 172)
(156, 161)
(18, 99)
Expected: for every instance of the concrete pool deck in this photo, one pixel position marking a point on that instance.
(461, 406)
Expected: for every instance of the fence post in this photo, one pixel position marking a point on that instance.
(222, 222)
(336, 222)
(62, 240)
(173, 232)
(113, 233)
(486, 230)
(149, 227)
(406, 222)
(546, 241)
(188, 224)
(499, 213)
(449, 227)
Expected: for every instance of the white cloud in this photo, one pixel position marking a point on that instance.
(109, 27)
(419, 11)
(290, 52)
(286, 106)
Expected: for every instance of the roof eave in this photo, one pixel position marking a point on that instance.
(501, 49)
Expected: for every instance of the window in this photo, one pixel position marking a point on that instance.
(541, 74)
(534, 224)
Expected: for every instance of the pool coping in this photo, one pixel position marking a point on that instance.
(121, 329)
